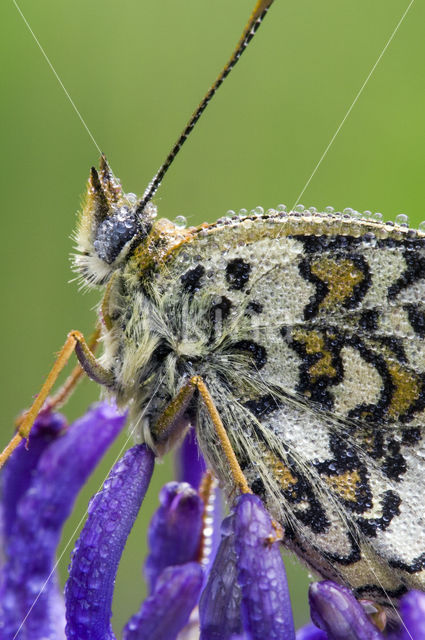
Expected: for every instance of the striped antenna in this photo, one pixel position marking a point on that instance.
(254, 22)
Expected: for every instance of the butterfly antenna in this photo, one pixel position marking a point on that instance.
(254, 22)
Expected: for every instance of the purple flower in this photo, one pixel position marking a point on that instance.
(39, 488)
(337, 615)
(234, 590)
(335, 610)
(247, 589)
(95, 559)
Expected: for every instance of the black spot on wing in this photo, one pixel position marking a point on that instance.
(369, 320)
(344, 460)
(411, 436)
(416, 318)
(262, 406)
(390, 507)
(237, 273)
(395, 345)
(415, 270)
(378, 594)
(314, 515)
(191, 280)
(220, 309)
(257, 351)
(395, 464)
(258, 487)
(358, 291)
(218, 315)
(414, 567)
(254, 307)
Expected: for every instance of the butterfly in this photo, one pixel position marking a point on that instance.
(292, 341)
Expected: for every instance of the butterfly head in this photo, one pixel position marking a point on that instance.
(111, 223)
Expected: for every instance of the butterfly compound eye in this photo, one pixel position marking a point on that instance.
(113, 233)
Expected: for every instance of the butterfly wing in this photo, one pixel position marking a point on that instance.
(315, 358)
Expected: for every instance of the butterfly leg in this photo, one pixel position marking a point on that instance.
(171, 422)
(75, 342)
(237, 473)
(62, 395)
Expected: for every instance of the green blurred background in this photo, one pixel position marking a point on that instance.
(136, 70)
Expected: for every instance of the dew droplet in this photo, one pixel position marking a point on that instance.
(242, 212)
(180, 221)
(281, 207)
(230, 213)
(402, 219)
(299, 208)
(378, 216)
(329, 209)
(131, 198)
(259, 210)
(421, 226)
(312, 209)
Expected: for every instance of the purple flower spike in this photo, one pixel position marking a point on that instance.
(311, 632)
(220, 603)
(29, 594)
(175, 531)
(21, 467)
(190, 462)
(112, 512)
(335, 610)
(266, 606)
(167, 610)
(412, 609)
(247, 590)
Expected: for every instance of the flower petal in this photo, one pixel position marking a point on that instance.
(335, 610)
(29, 584)
(246, 588)
(266, 605)
(89, 590)
(190, 462)
(311, 632)
(21, 467)
(175, 531)
(168, 609)
(412, 609)
(219, 606)
(191, 468)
